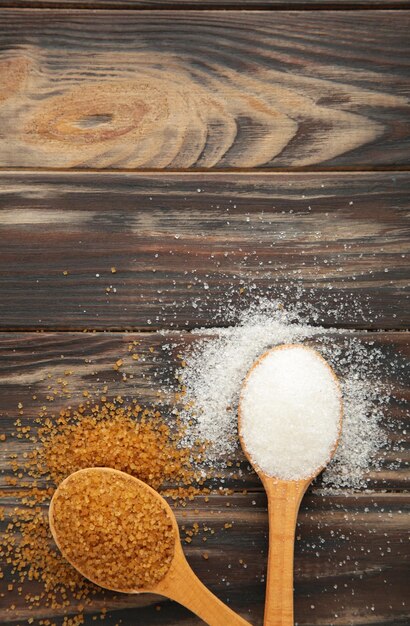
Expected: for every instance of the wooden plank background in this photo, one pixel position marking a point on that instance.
(306, 5)
(204, 90)
(347, 231)
(28, 358)
(358, 577)
(205, 119)
(343, 545)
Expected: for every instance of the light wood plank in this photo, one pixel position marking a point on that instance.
(190, 89)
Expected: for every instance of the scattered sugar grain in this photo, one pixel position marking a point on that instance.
(217, 363)
(112, 434)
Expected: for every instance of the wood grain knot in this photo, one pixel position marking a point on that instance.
(96, 113)
(134, 122)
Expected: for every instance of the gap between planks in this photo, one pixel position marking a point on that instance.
(184, 329)
(158, 5)
(294, 170)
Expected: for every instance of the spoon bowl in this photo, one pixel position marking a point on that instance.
(284, 498)
(178, 582)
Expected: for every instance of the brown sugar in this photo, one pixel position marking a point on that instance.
(114, 529)
(108, 433)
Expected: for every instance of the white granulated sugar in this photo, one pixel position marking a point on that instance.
(217, 362)
(290, 411)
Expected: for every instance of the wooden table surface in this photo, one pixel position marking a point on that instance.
(129, 131)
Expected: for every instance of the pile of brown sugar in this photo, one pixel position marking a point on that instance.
(109, 433)
(113, 529)
(112, 434)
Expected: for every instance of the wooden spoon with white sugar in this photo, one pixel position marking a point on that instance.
(290, 419)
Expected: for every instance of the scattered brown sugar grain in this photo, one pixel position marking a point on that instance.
(111, 434)
(114, 529)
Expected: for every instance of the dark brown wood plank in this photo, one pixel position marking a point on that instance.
(27, 359)
(339, 236)
(351, 564)
(305, 5)
(351, 556)
(219, 89)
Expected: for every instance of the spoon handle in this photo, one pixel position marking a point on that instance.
(284, 498)
(183, 586)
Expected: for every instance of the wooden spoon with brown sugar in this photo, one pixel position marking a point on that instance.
(122, 535)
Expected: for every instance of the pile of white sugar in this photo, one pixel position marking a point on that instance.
(290, 413)
(218, 359)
